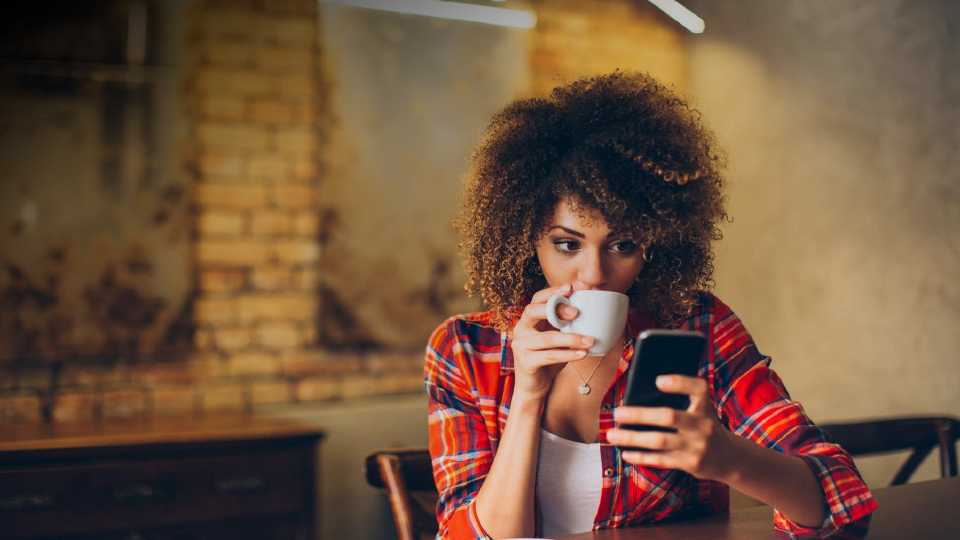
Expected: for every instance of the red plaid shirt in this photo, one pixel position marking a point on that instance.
(469, 380)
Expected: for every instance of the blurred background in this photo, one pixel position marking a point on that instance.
(245, 205)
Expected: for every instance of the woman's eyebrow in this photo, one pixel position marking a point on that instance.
(577, 233)
(568, 231)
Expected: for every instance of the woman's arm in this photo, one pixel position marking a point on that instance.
(505, 503)
(773, 436)
(781, 481)
(482, 495)
(460, 447)
(703, 448)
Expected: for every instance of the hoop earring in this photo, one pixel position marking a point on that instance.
(647, 254)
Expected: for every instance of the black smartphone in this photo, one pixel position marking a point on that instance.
(662, 352)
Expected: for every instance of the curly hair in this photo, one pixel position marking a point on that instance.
(621, 144)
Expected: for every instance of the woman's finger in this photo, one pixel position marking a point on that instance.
(548, 357)
(535, 313)
(541, 296)
(649, 416)
(660, 460)
(650, 440)
(694, 387)
(557, 340)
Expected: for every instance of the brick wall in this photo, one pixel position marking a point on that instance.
(250, 88)
(575, 38)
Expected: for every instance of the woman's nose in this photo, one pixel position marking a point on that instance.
(592, 271)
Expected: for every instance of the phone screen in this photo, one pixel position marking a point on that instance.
(662, 352)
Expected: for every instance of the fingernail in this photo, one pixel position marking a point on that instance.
(586, 340)
(662, 380)
(581, 353)
(565, 287)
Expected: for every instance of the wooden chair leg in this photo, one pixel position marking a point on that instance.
(911, 465)
(948, 450)
(399, 501)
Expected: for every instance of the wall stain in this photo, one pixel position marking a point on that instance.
(121, 311)
(339, 328)
(173, 195)
(22, 291)
(179, 334)
(138, 263)
(160, 217)
(329, 222)
(440, 291)
(117, 314)
(57, 255)
(18, 299)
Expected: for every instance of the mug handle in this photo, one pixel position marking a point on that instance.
(552, 317)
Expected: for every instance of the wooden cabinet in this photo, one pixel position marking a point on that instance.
(212, 477)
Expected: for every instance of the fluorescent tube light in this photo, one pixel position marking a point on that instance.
(448, 10)
(682, 15)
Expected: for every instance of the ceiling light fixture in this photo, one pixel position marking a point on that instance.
(682, 15)
(448, 10)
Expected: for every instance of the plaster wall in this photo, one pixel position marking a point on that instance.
(840, 121)
(94, 229)
(407, 97)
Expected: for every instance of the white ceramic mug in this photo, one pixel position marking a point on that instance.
(603, 315)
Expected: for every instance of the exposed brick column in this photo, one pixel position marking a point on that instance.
(254, 93)
(576, 38)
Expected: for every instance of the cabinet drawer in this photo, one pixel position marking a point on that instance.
(247, 529)
(73, 500)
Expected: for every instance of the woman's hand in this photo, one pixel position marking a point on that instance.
(700, 446)
(539, 350)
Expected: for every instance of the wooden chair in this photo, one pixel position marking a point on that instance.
(407, 476)
(896, 434)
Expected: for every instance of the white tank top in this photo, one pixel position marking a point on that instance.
(569, 480)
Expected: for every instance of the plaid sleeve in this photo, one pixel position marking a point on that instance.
(459, 447)
(753, 403)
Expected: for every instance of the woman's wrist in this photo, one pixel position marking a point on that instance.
(527, 405)
(739, 452)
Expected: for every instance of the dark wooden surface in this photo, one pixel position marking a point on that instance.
(19, 442)
(183, 478)
(922, 510)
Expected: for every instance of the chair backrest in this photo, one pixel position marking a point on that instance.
(889, 435)
(407, 476)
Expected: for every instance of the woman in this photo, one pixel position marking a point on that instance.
(611, 184)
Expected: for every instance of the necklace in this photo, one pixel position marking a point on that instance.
(584, 388)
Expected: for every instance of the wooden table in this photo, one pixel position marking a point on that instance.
(922, 510)
(211, 477)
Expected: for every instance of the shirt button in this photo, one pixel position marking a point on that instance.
(608, 473)
(606, 407)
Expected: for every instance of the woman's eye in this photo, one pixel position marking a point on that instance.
(566, 246)
(623, 247)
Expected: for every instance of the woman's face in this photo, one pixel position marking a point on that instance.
(587, 254)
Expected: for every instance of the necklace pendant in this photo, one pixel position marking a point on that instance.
(584, 388)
